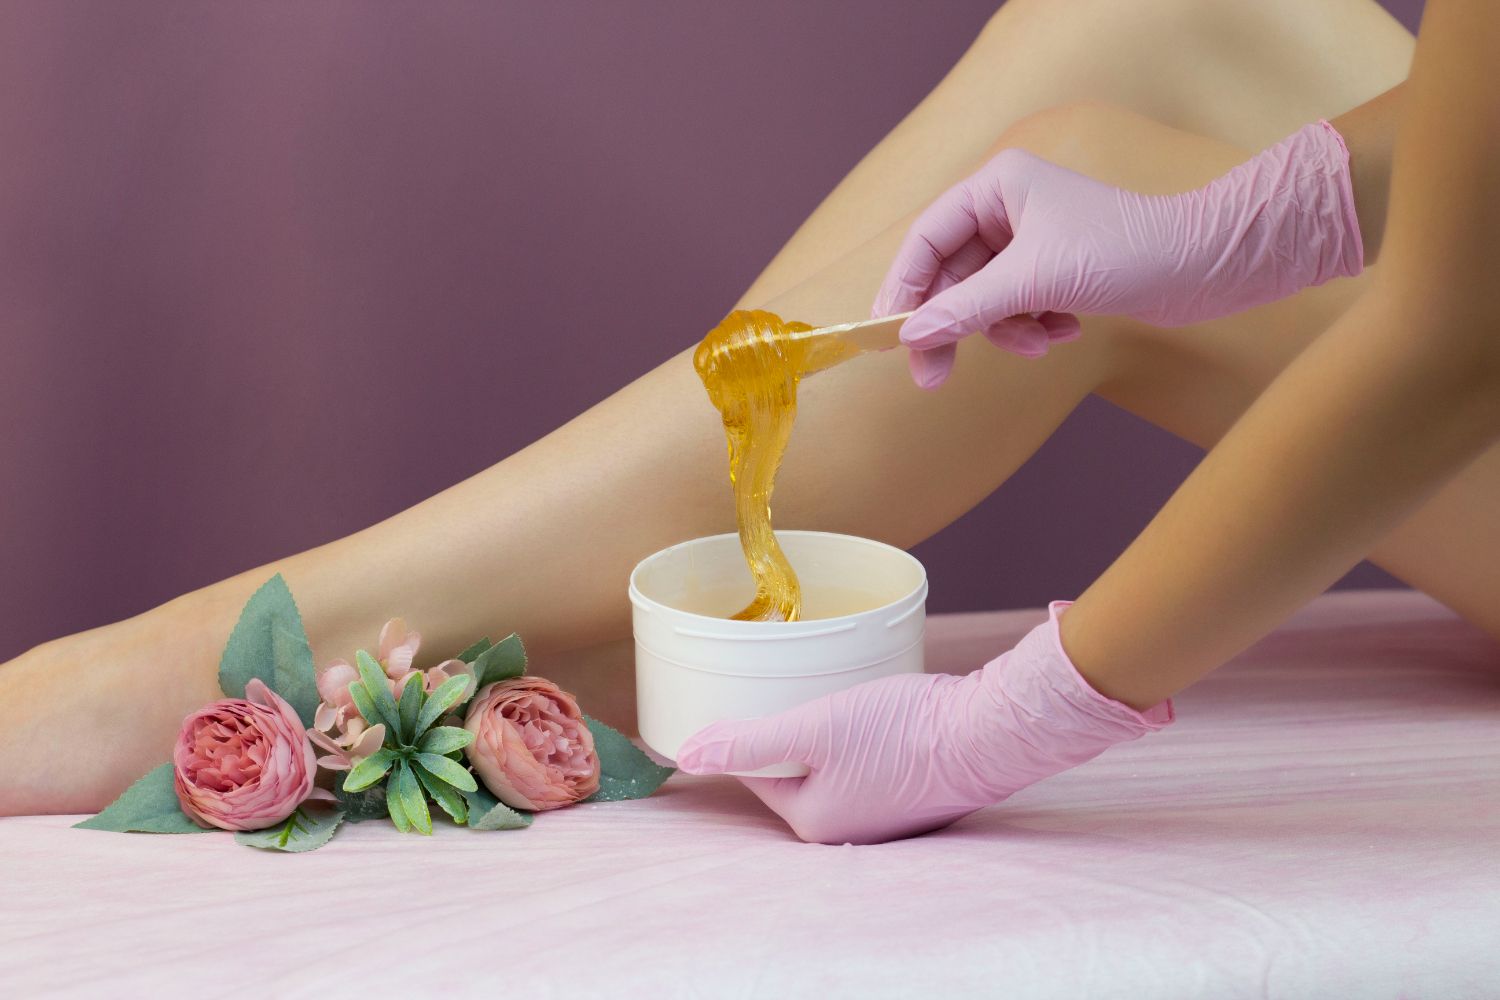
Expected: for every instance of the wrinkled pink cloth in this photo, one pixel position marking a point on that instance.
(1020, 248)
(1319, 822)
(912, 753)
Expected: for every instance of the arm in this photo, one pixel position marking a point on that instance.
(1389, 404)
(1022, 246)
(1369, 132)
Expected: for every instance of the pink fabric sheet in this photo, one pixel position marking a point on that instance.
(1323, 820)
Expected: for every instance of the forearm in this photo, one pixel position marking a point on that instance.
(1356, 433)
(1375, 416)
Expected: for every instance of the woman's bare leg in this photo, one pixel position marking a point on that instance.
(542, 542)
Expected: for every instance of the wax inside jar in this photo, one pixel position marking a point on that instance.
(751, 368)
(816, 602)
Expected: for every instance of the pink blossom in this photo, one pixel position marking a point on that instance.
(531, 746)
(335, 702)
(398, 648)
(348, 743)
(338, 728)
(243, 763)
(435, 677)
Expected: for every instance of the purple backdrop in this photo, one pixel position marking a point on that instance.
(272, 272)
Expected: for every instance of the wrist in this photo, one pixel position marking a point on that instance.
(1126, 682)
(1035, 689)
(1368, 133)
(1140, 698)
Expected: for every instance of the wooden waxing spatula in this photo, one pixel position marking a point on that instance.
(863, 337)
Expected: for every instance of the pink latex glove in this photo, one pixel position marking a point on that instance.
(1023, 246)
(912, 753)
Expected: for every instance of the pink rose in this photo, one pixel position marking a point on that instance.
(531, 747)
(243, 764)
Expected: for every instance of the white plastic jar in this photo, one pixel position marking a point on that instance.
(865, 612)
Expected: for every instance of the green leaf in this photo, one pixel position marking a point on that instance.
(368, 771)
(453, 773)
(377, 686)
(625, 772)
(413, 803)
(296, 679)
(445, 740)
(360, 806)
(448, 694)
(502, 661)
(488, 813)
(472, 653)
(410, 705)
(394, 808)
(364, 703)
(444, 794)
(257, 648)
(307, 829)
(148, 806)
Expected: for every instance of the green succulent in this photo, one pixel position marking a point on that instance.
(417, 756)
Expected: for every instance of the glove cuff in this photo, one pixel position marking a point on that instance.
(1083, 693)
(1348, 256)
(1037, 713)
(1289, 218)
(1311, 227)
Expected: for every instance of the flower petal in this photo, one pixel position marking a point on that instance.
(398, 648)
(369, 741)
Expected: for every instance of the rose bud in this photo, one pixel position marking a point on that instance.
(243, 763)
(531, 746)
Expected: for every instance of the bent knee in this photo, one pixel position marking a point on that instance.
(1050, 23)
(1119, 146)
(1072, 131)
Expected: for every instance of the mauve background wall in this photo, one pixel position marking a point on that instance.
(272, 272)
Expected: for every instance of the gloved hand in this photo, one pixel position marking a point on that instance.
(914, 752)
(1022, 246)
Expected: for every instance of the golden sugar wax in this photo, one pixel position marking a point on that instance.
(751, 366)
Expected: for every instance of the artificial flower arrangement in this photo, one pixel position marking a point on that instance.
(475, 736)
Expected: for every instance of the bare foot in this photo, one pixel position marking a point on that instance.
(83, 716)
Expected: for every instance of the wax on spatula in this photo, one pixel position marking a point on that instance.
(865, 337)
(751, 364)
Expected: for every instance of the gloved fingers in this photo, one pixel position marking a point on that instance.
(779, 794)
(937, 234)
(965, 262)
(997, 291)
(751, 744)
(1023, 335)
(1061, 326)
(813, 819)
(1031, 335)
(968, 259)
(930, 368)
